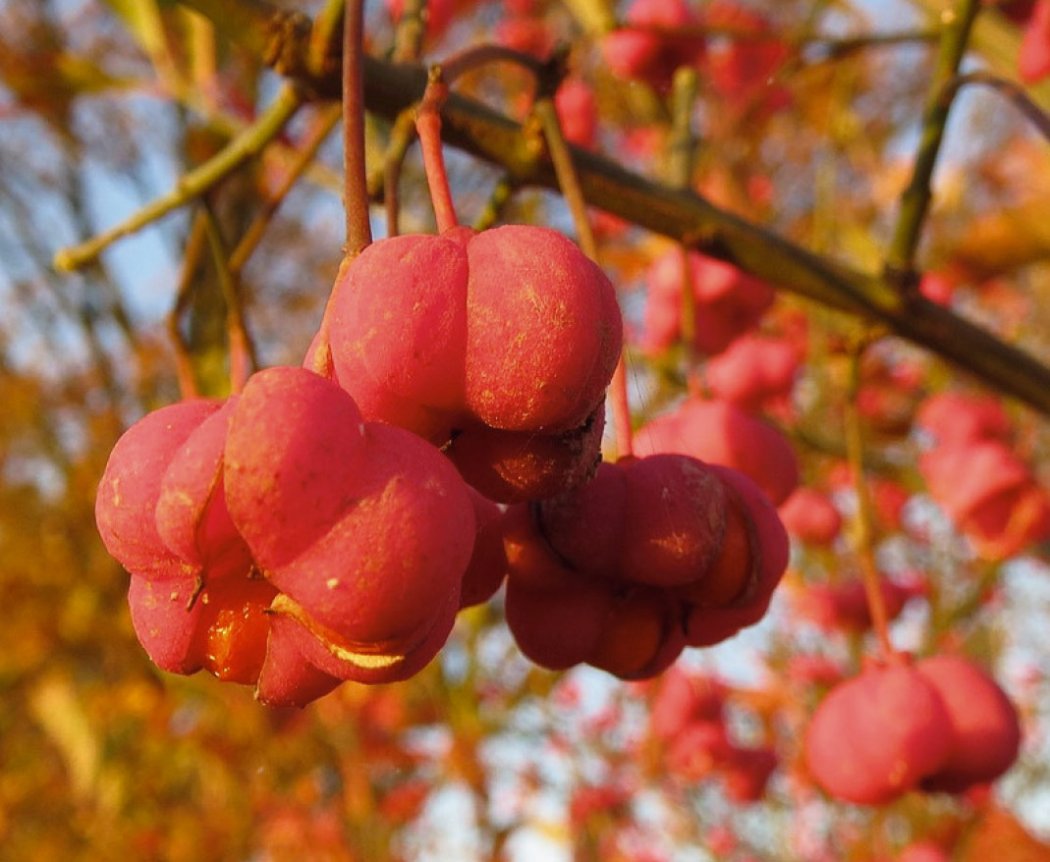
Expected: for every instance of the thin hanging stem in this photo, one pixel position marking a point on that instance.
(865, 512)
(428, 127)
(358, 224)
(561, 157)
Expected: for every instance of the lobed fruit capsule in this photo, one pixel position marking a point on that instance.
(941, 724)
(496, 345)
(652, 555)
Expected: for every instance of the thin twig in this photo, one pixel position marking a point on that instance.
(915, 202)
(192, 185)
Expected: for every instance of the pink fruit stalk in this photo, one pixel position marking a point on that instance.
(471, 337)
(727, 303)
(364, 528)
(719, 432)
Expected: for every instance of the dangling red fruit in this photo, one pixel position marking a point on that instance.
(364, 528)
(492, 343)
(986, 726)
(877, 735)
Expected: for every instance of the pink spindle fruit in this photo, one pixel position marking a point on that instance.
(364, 528)
(497, 344)
(652, 554)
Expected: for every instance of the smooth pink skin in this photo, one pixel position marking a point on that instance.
(294, 446)
(488, 562)
(962, 478)
(191, 514)
(163, 625)
(286, 678)
(674, 520)
(400, 313)
(557, 629)
(875, 736)
(585, 526)
(810, 517)
(544, 331)
(1033, 61)
(959, 417)
(753, 370)
(683, 699)
(396, 549)
(130, 486)
(717, 432)
(705, 626)
(986, 726)
(400, 662)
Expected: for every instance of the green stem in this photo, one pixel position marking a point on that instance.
(915, 201)
(192, 185)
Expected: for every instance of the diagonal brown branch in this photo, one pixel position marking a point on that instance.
(678, 214)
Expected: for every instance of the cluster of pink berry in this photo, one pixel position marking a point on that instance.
(327, 523)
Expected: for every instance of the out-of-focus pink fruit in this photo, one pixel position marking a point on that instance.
(753, 371)
(878, 735)
(649, 48)
(843, 606)
(989, 493)
(698, 750)
(985, 724)
(718, 432)
(746, 772)
(956, 417)
(683, 698)
(810, 516)
(1033, 61)
(743, 68)
(577, 111)
(726, 302)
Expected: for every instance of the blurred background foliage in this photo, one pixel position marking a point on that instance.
(102, 106)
